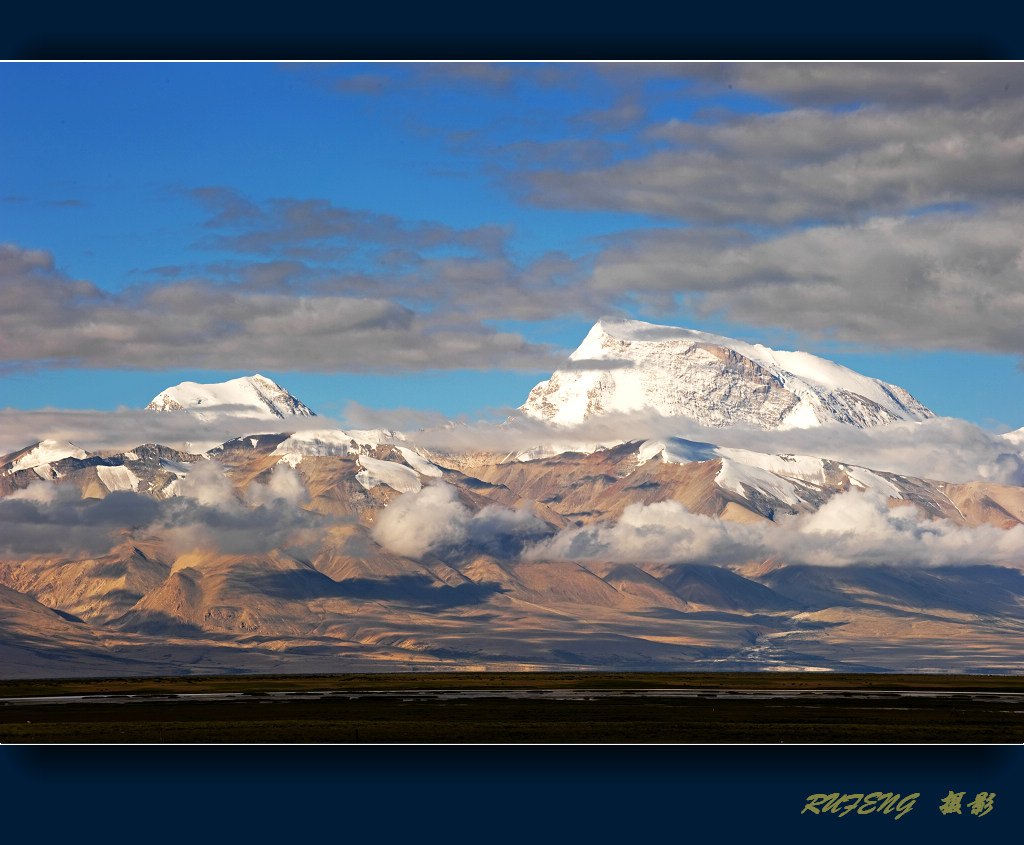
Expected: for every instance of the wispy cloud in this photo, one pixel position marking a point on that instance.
(317, 228)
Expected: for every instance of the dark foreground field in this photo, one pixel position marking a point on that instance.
(393, 708)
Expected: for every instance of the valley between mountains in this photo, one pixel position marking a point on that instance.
(632, 515)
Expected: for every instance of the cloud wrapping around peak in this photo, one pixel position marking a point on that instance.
(207, 483)
(283, 487)
(125, 428)
(941, 448)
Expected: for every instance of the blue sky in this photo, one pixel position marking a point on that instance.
(436, 236)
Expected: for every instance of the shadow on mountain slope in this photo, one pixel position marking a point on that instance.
(715, 586)
(419, 590)
(964, 589)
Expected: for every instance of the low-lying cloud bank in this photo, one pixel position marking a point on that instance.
(942, 448)
(51, 519)
(856, 527)
(434, 521)
(125, 428)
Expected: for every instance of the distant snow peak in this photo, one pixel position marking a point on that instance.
(250, 396)
(44, 453)
(324, 442)
(715, 380)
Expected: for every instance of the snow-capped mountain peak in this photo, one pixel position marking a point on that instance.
(42, 454)
(629, 365)
(250, 396)
(1015, 437)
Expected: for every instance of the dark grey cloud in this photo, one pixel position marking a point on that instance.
(48, 319)
(897, 84)
(57, 521)
(803, 167)
(627, 112)
(317, 228)
(836, 142)
(871, 203)
(589, 365)
(187, 525)
(831, 84)
(946, 280)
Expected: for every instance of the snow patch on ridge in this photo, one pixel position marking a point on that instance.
(799, 467)
(118, 478)
(865, 479)
(675, 450)
(398, 477)
(419, 463)
(1015, 437)
(735, 476)
(46, 452)
(325, 442)
(179, 469)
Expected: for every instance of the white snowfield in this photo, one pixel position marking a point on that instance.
(45, 453)
(250, 396)
(331, 441)
(373, 471)
(675, 450)
(773, 475)
(631, 366)
(118, 478)
(397, 476)
(178, 468)
(420, 464)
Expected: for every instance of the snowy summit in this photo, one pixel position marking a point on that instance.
(251, 396)
(632, 366)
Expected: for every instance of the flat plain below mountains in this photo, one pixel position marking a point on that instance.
(559, 708)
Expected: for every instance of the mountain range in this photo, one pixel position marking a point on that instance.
(302, 549)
